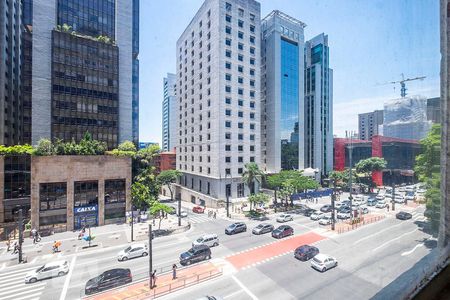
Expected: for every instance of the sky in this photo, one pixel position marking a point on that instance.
(372, 42)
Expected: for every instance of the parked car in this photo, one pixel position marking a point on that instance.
(410, 196)
(372, 202)
(380, 196)
(410, 188)
(263, 228)
(326, 220)
(195, 254)
(236, 228)
(381, 204)
(402, 215)
(284, 218)
(49, 270)
(399, 199)
(421, 191)
(132, 251)
(211, 240)
(323, 262)
(308, 212)
(326, 208)
(183, 214)
(198, 209)
(317, 215)
(282, 231)
(305, 252)
(344, 213)
(107, 280)
(364, 209)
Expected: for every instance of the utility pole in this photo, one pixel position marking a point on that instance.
(90, 236)
(132, 222)
(350, 197)
(179, 211)
(333, 200)
(150, 254)
(393, 196)
(20, 234)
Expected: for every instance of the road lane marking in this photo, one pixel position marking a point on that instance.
(66, 283)
(412, 250)
(28, 297)
(376, 233)
(233, 294)
(394, 239)
(251, 295)
(21, 293)
(22, 285)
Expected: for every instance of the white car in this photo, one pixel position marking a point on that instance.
(344, 215)
(421, 191)
(183, 214)
(364, 209)
(210, 240)
(381, 204)
(49, 270)
(323, 262)
(326, 220)
(399, 199)
(284, 218)
(317, 215)
(410, 196)
(380, 197)
(132, 251)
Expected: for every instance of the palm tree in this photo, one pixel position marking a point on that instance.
(251, 175)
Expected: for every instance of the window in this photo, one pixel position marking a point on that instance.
(252, 104)
(240, 171)
(240, 159)
(228, 42)
(240, 190)
(228, 171)
(252, 28)
(241, 46)
(240, 57)
(240, 136)
(252, 50)
(240, 69)
(227, 159)
(241, 91)
(252, 137)
(252, 115)
(228, 136)
(228, 18)
(252, 148)
(252, 126)
(228, 100)
(240, 125)
(228, 112)
(240, 35)
(252, 17)
(228, 6)
(228, 65)
(228, 53)
(228, 89)
(241, 12)
(252, 61)
(241, 102)
(52, 196)
(252, 159)
(252, 83)
(252, 94)
(227, 147)
(252, 39)
(240, 148)
(228, 30)
(228, 77)
(240, 80)
(240, 23)
(228, 124)
(240, 114)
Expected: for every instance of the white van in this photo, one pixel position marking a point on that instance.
(210, 240)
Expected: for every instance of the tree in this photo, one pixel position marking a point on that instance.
(44, 147)
(251, 175)
(127, 146)
(148, 178)
(168, 177)
(342, 178)
(158, 209)
(369, 165)
(140, 195)
(259, 198)
(144, 159)
(428, 170)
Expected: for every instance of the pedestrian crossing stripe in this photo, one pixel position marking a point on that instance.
(13, 286)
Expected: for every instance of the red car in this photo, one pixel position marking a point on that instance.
(198, 209)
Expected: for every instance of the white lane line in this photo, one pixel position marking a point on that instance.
(34, 260)
(21, 293)
(13, 279)
(249, 293)
(394, 239)
(376, 233)
(69, 275)
(28, 297)
(3, 266)
(17, 271)
(232, 294)
(22, 286)
(412, 250)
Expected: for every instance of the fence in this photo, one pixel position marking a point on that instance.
(365, 221)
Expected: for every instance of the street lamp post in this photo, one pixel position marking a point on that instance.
(20, 234)
(350, 197)
(227, 193)
(150, 254)
(333, 200)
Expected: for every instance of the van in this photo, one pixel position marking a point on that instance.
(211, 240)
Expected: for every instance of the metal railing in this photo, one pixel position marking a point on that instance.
(365, 221)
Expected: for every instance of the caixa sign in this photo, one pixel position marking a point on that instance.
(85, 209)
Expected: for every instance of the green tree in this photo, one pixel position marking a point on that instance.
(168, 177)
(369, 165)
(144, 159)
(140, 195)
(158, 210)
(342, 178)
(251, 175)
(44, 147)
(148, 178)
(428, 170)
(259, 198)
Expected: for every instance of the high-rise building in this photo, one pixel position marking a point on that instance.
(368, 124)
(434, 110)
(318, 150)
(218, 91)
(282, 94)
(169, 113)
(13, 114)
(80, 46)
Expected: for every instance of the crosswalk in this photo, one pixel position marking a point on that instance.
(13, 287)
(199, 218)
(417, 216)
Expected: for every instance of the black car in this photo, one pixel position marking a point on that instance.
(282, 231)
(262, 228)
(326, 208)
(195, 254)
(403, 215)
(305, 252)
(107, 280)
(308, 212)
(236, 228)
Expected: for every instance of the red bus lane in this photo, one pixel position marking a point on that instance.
(247, 258)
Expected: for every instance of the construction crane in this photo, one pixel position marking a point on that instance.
(403, 85)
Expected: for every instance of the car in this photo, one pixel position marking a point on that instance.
(301, 208)
(317, 215)
(305, 252)
(364, 209)
(132, 251)
(381, 204)
(410, 188)
(388, 196)
(284, 218)
(108, 279)
(326, 220)
(401, 189)
(421, 191)
(337, 205)
(210, 298)
(309, 212)
(195, 254)
(263, 228)
(359, 199)
(211, 240)
(372, 202)
(323, 262)
(326, 208)
(183, 214)
(198, 209)
(49, 270)
(410, 196)
(402, 215)
(236, 228)
(282, 231)
(344, 213)
(380, 196)
(399, 199)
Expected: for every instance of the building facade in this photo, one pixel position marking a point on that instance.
(218, 91)
(169, 113)
(318, 150)
(434, 110)
(77, 86)
(368, 124)
(282, 93)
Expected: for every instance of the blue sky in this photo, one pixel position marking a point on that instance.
(371, 42)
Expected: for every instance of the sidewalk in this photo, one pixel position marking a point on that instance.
(164, 284)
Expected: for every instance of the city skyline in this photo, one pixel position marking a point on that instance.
(377, 23)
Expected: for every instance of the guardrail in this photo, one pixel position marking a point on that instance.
(365, 221)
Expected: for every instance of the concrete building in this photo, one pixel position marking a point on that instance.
(368, 124)
(318, 150)
(282, 94)
(218, 91)
(76, 84)
(434, 110)
(169, 113)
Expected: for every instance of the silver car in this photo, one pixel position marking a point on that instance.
(132, 251)
(263, 228)
(323, 262)
(49, 270)
(284, 218)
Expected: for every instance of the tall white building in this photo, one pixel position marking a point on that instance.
(368, 124)
(218, 91)
(282, 75)
(169, 113)
(318, 150)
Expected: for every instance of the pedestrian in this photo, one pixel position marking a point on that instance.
(317, 200)
(8, 245)
(215, 214)
(387, 206)
(174, 271)
(153, 280)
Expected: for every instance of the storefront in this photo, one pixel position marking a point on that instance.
(85, 216)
